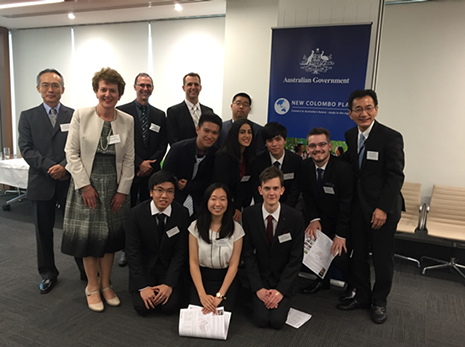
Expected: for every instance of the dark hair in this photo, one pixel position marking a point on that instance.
(273, 129)
(298, 146)
(204, 219)
(210, 117)
(271, 172)
(231, 144)
(50, 71)
(360, 93)
(160, 177)
(244, 95)
(191, 74)
(142, 74)
(108, 75)
(320, 131)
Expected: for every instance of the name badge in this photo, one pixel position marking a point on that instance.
(155, 127)
(245, 178)
(114, 139)
(371, 155)
(284, 237)
(329, 190)
(222, 243)
(64, 127)
(173, 231)
(289, 176)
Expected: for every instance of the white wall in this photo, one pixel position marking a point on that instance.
(421, 87)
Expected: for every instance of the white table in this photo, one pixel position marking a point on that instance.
(13, 172)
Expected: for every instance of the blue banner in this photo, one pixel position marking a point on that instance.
(313, 72)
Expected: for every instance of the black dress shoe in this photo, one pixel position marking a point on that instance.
(315, 287)
(378, 314)
(351, 305)
(47, 285)
(349, 294)
(122, 260)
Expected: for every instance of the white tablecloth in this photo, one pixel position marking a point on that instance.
(13, 172)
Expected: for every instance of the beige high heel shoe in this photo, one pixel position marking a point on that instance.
(112, 302)
(98, 307)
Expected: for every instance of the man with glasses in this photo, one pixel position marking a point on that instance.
(240, 108)
(326, 183)
(150, 140)
(377, 157)
(156, 247)
(43, 131)
(182, 119)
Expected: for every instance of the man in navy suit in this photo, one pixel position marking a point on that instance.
(240, 108)
(156, 247)
(326, 183)
(150, 140)
(43, 131)
(273, 251)
(274, 135)
(376, 153)
(182, 119)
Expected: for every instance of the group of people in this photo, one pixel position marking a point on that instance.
(226, 193)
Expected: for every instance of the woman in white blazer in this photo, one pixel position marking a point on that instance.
(100, 156)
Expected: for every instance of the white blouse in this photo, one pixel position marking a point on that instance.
(217, 254)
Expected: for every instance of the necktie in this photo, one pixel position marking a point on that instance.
(160, 225)
(195, 115)
(276, 164)
(53, 116)
(361, 150)
(319, 180)
(269, 228)
(144, 122)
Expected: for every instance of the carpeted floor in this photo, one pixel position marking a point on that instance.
(423, 310)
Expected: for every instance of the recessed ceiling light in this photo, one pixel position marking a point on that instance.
(177, 7)
(71, 15)
(30, 3)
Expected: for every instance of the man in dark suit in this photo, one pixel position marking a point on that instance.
(377, 157)
(150, 140)
(156, 247)
(273, 251)
(274, 135)
(326, 183)
(192, 162)
(240, 108)
(182, 119)
(43, 131)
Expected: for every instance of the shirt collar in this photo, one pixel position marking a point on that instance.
(321, 167)
(280, 160)
(190, 104)
(366, 133)
(48, 108)
(275, 214)
(154, 210)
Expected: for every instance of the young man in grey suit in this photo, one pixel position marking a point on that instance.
(273, 251)
(376, 153)
(43, 131)
(183, 118)
(156, 247)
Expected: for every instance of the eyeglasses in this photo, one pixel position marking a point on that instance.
(315, 145)
(239, 104)
(367, 109)
(161, 191)
(46, 86)
(142, 85)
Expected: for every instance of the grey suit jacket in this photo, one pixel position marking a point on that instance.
(42, 146)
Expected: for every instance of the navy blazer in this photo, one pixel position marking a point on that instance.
(180, 123)
(158, 139)
(43, 146)
(144, 250)
(333, 206)
(276, 266)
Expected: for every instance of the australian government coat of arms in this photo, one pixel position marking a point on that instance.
(317, 62)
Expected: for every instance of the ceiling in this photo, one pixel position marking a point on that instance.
(103, 11)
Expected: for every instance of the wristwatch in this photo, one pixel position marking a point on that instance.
(218, 295)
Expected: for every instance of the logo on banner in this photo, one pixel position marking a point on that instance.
(317, 62)
(282, 106)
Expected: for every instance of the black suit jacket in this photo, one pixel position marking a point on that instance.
(158, 140)
(180, 162)
(257, 135)
(143, 248)
(43, 146)
(290, 169)
(379, 180)
(276, 266)
(334, 206)
(180, 123)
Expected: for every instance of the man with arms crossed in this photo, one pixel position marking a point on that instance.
(273, 251)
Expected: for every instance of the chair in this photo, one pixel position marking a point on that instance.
(410, 219)
(446, 221)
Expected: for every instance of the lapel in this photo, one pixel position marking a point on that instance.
(368, 142)
(353, 148)
(280, 228)
(137, 125)
(189, 116)
(45, 120)
(261, 225)
(62, 118)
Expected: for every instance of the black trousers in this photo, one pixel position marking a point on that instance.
(276, 317)
(139, 190)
